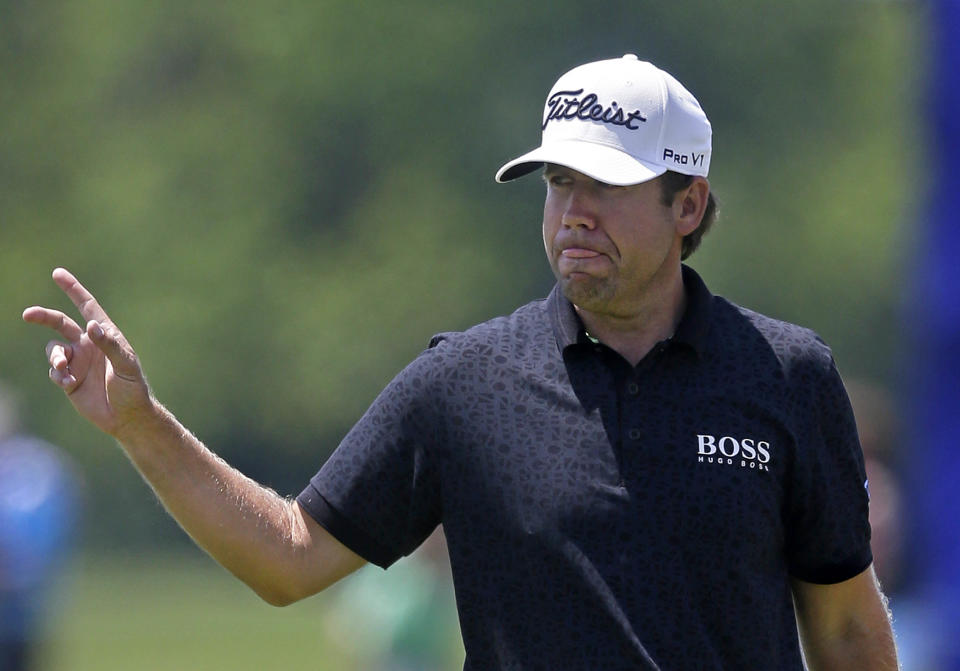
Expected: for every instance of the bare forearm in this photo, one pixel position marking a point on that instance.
(861, 641)
(246, 527)
(863, 651)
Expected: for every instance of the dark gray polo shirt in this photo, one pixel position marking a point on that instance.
(605, 516)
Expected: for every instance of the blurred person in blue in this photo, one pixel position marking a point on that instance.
(39, 510)
(632, 473)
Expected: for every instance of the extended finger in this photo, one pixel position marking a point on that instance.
(59, 354)
(54, 319)
(83, 299)
(115, 347)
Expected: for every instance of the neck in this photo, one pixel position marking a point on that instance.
(650, 320)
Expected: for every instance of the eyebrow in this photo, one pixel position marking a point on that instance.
(550, 169)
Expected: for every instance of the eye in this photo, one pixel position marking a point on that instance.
(556, 180)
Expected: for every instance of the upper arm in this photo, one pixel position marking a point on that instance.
(826, 499)
(380, 491)
(843, 622)
(377, 497)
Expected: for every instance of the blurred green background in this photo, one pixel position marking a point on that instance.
(280, 204)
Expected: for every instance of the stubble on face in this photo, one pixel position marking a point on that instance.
(588, 291)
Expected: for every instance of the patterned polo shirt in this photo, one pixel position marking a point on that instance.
(601, 515)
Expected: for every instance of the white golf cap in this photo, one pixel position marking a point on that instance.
(621, 121)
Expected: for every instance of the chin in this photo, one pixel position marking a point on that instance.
(588, 293)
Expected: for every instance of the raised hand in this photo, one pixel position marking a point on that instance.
(95, 366)
(270, 543)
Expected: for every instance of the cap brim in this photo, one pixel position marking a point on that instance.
(606, 164)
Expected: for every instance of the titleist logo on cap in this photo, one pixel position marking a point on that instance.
(620, 121)
(568, 105)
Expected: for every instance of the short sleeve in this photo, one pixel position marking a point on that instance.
(828, 528)
(378, 493)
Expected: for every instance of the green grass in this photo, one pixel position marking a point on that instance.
(185, 612)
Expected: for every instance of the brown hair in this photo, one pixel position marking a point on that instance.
(670, 184)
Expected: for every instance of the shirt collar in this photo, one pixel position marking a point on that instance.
(695, 323)
(692, 329)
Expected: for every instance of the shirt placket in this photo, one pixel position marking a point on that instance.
(631, 399)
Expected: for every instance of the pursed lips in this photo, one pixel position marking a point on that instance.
(570, 245)
(579, 253)
(578, 250)
(575, 260)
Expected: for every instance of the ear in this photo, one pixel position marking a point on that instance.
(690, 204)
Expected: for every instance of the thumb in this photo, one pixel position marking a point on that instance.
(115, 347)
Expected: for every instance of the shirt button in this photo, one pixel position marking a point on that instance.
(634, 434)
(633, 389)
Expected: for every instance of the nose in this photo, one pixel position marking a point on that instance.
(579, 210)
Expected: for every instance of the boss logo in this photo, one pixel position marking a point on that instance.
(730, 451)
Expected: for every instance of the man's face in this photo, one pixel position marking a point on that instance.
(607, 245)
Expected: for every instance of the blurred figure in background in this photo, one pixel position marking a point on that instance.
(407, 615)
(879, 423)
(879, 427)
(39, 509)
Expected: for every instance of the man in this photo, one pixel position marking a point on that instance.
(631, 474)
